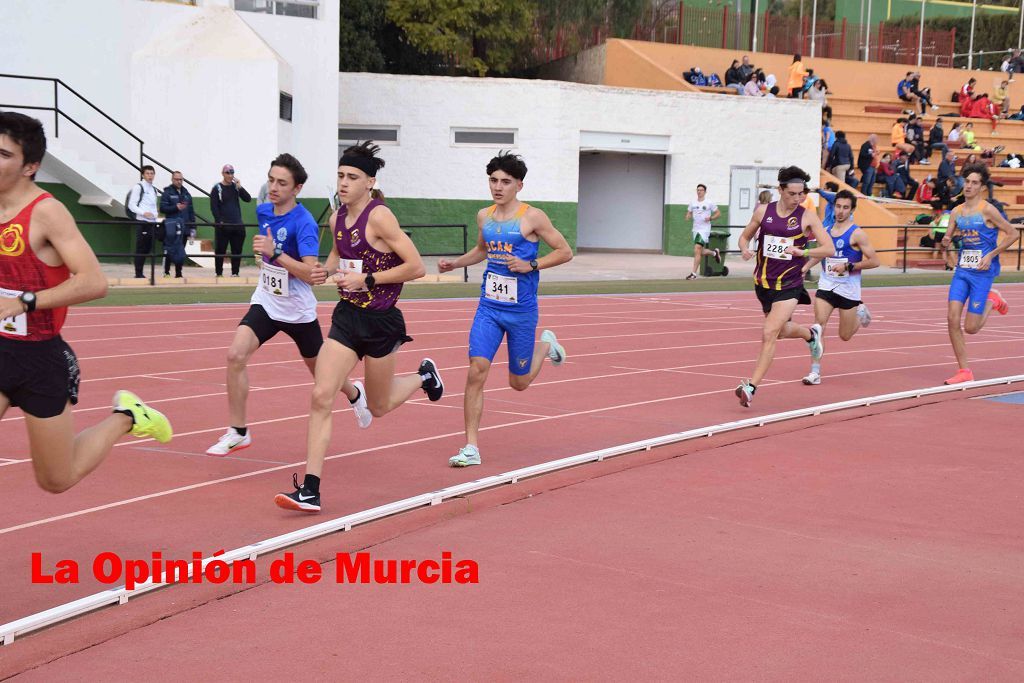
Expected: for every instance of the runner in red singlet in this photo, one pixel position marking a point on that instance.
(40, 249)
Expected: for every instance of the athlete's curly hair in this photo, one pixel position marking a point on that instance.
(508, 162)
(791, 174)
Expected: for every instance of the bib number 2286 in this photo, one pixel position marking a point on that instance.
(775, 247)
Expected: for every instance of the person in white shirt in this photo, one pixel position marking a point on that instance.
(142, 202)
(702, 212)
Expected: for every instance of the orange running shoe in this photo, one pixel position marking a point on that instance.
(998, 302)
(963, 375)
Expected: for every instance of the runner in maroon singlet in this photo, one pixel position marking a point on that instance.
(783, 229)
(40, 250)
(373, 257)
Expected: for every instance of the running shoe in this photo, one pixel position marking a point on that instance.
(863, 315)
(961, 376)
(556, 353)
(146, 421)
(363, 415)
(300, 500)
(812, 378)
(230, 441)
(745, 392)
(691, 276)
(817, 344)
(999, 304)
(718, 256)
(468, 455)
(431, 380)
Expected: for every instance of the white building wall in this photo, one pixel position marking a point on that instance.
(198, 84)
(708, 133)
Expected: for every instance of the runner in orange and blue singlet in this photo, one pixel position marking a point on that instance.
(783, 229)
(509, 238)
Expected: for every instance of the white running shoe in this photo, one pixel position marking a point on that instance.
(864, 315)
(556, 352)
(230, 442)
(812, 378)
(363, 415)
(467, 456)
(817, 344)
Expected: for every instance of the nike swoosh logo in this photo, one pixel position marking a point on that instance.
(305, 498)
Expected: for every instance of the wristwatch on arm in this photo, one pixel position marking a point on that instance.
(29, 299)
(370, 282)
(534, 265)
(277, 252)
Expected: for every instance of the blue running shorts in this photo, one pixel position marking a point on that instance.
(492, 323)
(973, 287)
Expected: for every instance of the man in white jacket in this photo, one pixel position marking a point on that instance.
(142, 201)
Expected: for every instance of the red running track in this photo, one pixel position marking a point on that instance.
(639, 366)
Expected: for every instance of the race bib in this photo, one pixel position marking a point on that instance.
(274, 280)
(775, 247)
(501, 288)
(970, 258)
(15, 325)
(353, 265)
(833, 264)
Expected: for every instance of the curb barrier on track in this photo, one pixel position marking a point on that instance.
(120, 595)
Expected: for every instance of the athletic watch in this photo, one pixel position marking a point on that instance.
(29, 299)
(370, 282)
(533, 264)
(277, 252)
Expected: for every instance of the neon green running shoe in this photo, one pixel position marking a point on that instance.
(146, 421)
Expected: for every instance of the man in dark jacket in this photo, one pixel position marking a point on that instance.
(947, 172)
(902, 167)
(840, 157)
(866, 163)
(936, 137)
(179, 222)
(227, 214)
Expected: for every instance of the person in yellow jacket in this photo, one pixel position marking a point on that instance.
(796, 77)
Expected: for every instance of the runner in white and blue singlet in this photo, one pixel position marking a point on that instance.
(839, 285)
(978, 224)
(509, 238)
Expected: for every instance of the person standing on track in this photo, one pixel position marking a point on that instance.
(509, 238)
(45, 266)
(287, 243)
(373, 258)
(978, 224)
(839, 284)
(783, 229)
(702, 212)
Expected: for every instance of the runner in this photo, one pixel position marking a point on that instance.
(288, 243)
(702, 212)
(783, 229)
(978, 224)
(509, 237)
(45, 266)
(372, 257)
(839, 285)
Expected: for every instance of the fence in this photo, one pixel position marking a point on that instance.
(429, 245)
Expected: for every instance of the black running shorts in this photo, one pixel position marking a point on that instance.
(368, 332)
(307, 336)
(836, 301)
(767, 297)
(40, 377)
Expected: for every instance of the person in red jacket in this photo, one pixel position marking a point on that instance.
(983, 108)
(965, 96)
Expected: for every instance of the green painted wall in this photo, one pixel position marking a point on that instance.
(113, 238)
(679, 230)
(884, 10)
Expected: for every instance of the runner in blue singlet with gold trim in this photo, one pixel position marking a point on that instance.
(509, 238)
(978, 224)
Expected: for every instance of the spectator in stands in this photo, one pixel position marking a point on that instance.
(1001, 98)
(926, 192)
(766, 81)
(796, 77)
(899, 137)
(867, 163)
(746, 68)
(1016, 64)
(764, 197)
(969, 141)
(840, 157)
(1019, 116)
(179, 222)
(935, 136)
(695, 77)
(809, 82)
(924, 95)
(915, 137)
(902, 167)
(733, 79)
(983, 108)
(828, 139)
(894, 186)
(818, 93)
(750, 89)
(774, 92)
(142, 202)
(955, 134)
(947, 174)
(964, 97)
(227, 215)
(1012, 161)
(903, 90)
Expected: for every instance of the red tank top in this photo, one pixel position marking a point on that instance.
(22, 271)
(352, 245)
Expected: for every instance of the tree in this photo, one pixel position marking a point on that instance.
(361, 25)
(480, 36)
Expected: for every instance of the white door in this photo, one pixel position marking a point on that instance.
(621, 202)
(745, 184)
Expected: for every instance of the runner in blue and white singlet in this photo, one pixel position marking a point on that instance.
(509, 238)
(984, 233)
(839, 285)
